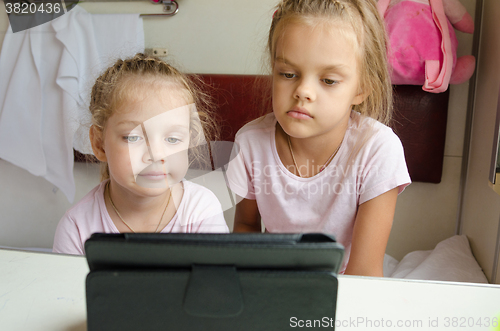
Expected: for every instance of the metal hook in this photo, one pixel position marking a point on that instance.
(167, 5)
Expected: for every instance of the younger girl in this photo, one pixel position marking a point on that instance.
(145, 129)
(324, 161)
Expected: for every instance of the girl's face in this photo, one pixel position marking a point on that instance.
(146, 141)
(315, 79)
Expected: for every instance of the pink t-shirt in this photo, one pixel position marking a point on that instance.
(199, 211)
(370, 162)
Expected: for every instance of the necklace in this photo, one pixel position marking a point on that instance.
(121, 218)
(322, 167)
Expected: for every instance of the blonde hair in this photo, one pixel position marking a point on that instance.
(363, 17)
(116, 85)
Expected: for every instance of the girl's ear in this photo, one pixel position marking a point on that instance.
(96, 139)
(361, 97)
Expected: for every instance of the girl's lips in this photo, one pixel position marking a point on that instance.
(153, 176)
(299, 113)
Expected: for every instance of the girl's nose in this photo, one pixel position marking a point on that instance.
(155, 152)
(305, 91)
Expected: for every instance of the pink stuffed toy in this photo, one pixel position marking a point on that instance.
(423, 43)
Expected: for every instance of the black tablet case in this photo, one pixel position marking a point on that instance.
(211, 281)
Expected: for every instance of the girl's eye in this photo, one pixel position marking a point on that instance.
(288, 75)
(329, 81)
(131, 139)
(173, 140)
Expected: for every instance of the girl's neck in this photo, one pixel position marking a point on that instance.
(310, 154)
(133, 213)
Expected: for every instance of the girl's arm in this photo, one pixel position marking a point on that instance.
(370, 235)
(247, 216)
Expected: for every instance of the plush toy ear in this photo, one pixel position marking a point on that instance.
(463, 69)
(466, 24)
(458, 16)
(97, 141)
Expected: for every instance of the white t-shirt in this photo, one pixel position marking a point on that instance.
(370, 162)
(199, 211)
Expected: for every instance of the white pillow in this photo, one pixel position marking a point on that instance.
(451, 260)
(409, 263)
(390, 265)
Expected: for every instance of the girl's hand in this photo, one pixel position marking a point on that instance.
(370, 235)
(247, 216)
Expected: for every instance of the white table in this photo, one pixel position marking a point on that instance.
(41, 291)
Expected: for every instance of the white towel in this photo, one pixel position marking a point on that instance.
(112, 37)
(20, 105)
(47, 74)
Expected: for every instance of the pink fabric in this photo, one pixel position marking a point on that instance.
(439, 82)
(382, 6)
(199, 211)
(327, 202)
(418, 54)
